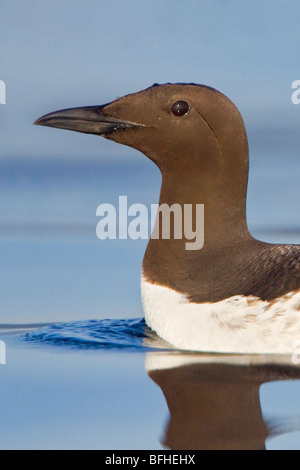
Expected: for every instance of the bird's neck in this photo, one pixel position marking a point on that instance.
(224, 223)
(223, 200)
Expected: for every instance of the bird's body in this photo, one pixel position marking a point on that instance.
(237, 324)
(235, 294)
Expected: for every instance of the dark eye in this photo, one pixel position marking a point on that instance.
(180, 108)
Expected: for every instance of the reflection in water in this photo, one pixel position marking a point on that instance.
(214, 400)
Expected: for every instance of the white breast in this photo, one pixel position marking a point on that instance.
(239, 324)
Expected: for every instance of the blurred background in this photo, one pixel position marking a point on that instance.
(64, 53)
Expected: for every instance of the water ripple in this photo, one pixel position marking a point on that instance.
(99, 334)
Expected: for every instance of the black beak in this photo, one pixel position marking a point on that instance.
(89, 120)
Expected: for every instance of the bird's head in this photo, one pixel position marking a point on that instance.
(183, 126)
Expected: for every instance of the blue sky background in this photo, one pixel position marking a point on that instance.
(57, 54)
(63, 53)
(72, 53)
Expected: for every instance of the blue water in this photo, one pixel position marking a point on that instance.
(113, 384)
(82, 369)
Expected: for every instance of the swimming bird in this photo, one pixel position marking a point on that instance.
(236, 294)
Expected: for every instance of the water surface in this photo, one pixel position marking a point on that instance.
(114, 384)
(82, 369)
